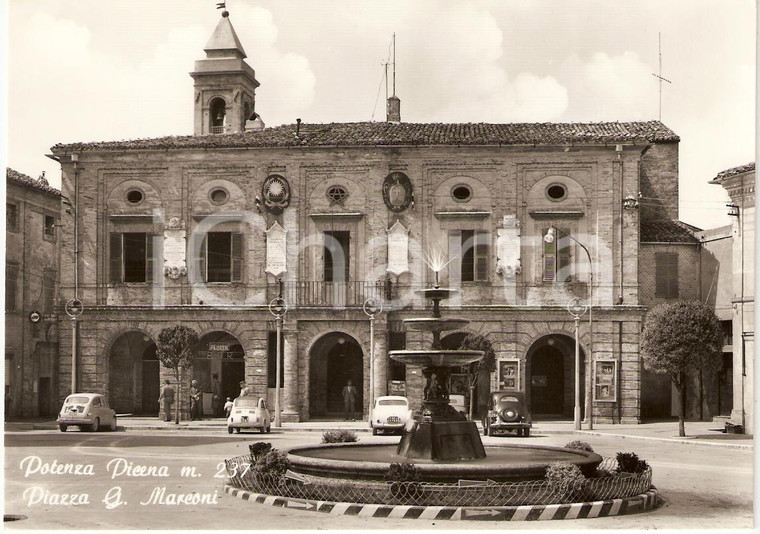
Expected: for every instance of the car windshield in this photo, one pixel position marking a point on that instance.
(392, 402)
(509, 398)
(77, 400)
(246, 402)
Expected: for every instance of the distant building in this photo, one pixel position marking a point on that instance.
(739, 182)
(197, 230)
(32, 248)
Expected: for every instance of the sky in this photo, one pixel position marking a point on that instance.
(89, 70)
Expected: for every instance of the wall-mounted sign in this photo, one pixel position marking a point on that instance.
(398, 249)
(174, 252)
(508, 247)
(218, 347)
(605, 380)
(276, 248)
(35, 316)
(397, 191)
(509, 375)
(276, 193)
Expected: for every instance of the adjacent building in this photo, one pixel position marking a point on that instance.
(206, 230)
(739, 182)
(32, 245)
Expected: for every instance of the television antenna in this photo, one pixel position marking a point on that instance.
(659, 75)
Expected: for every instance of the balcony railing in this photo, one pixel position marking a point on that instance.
(332, 294)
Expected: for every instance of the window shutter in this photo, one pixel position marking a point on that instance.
(455, 258)
(564, 255)
(550, 260)
(237, 257)
(673, 276)
(198, 249)
(149, 263)
(116, 260)
(481, 255)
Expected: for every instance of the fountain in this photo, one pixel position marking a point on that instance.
(442, 443)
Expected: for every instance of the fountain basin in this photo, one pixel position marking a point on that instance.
(507, 463)
(436, 293)
(435, 324)
(436, 358)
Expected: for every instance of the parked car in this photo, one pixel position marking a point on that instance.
(390, 412)
(88, 411)
(249, 412)
(459, 403)
(507, 412)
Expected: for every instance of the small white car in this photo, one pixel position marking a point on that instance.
(459, 403)
(88, 411)
(390, 413)
(249, 412)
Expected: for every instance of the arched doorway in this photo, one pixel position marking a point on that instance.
(550, 377)
(335, 358)
(220, 354)
(133, 374)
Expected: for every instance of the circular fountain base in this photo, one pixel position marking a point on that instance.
(509, 463)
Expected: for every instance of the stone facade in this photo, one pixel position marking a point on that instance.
(32, 233)
(196, 212)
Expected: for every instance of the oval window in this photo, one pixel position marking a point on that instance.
(461, 193)
(218, 196)
(556, 191)
(134, 196)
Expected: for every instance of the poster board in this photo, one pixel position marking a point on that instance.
(509, 375)
(605, 380)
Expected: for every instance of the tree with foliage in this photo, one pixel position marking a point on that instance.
(482, 367)
(175, 350)
(679, 337)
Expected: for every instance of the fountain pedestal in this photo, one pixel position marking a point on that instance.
(439, 432)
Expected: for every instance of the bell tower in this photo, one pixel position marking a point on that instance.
(225, 85)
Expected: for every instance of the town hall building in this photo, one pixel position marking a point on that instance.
(206, 230)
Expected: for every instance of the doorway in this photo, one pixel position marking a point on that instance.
(335, 359)
(547, 382)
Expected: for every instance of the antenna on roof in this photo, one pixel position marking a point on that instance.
(659, 76)
(394, 63)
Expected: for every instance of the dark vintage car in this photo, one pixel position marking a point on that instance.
(507, 411)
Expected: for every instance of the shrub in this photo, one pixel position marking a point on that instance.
(579, 445)
(629, 462)
(259, 449)
(339, 436)
(567, 481)
(273, 462)
(403, 472)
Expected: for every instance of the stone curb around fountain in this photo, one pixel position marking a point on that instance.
(535, 512)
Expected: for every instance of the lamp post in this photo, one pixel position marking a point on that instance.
(278, 307)
(577, 307)
(372, 307)
(549, 238)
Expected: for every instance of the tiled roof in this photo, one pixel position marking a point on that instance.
(668, 231)
(28, 181)
(405, 134)
(733, 172)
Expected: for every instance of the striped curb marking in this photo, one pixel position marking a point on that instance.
(538, 512)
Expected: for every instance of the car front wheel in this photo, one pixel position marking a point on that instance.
(229, 430)
(526, 432)
(112, 428)
(62, 428)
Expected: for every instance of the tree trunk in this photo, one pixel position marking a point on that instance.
(682, 406)
(179, 396)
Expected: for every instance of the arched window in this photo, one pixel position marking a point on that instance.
(218, 112)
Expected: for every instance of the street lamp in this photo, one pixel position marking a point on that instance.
(372, 307)
(549, 238)
(278, 307)
(577, 307)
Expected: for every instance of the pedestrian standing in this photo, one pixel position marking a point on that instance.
(166, 399)
(244, 389)
(195, 398)
(228, 407)
(349, 400)
(216, 391)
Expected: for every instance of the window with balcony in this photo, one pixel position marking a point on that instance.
(666, 275)
(221, 257)
(131, 257)
(468, 252)
(337, 256)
